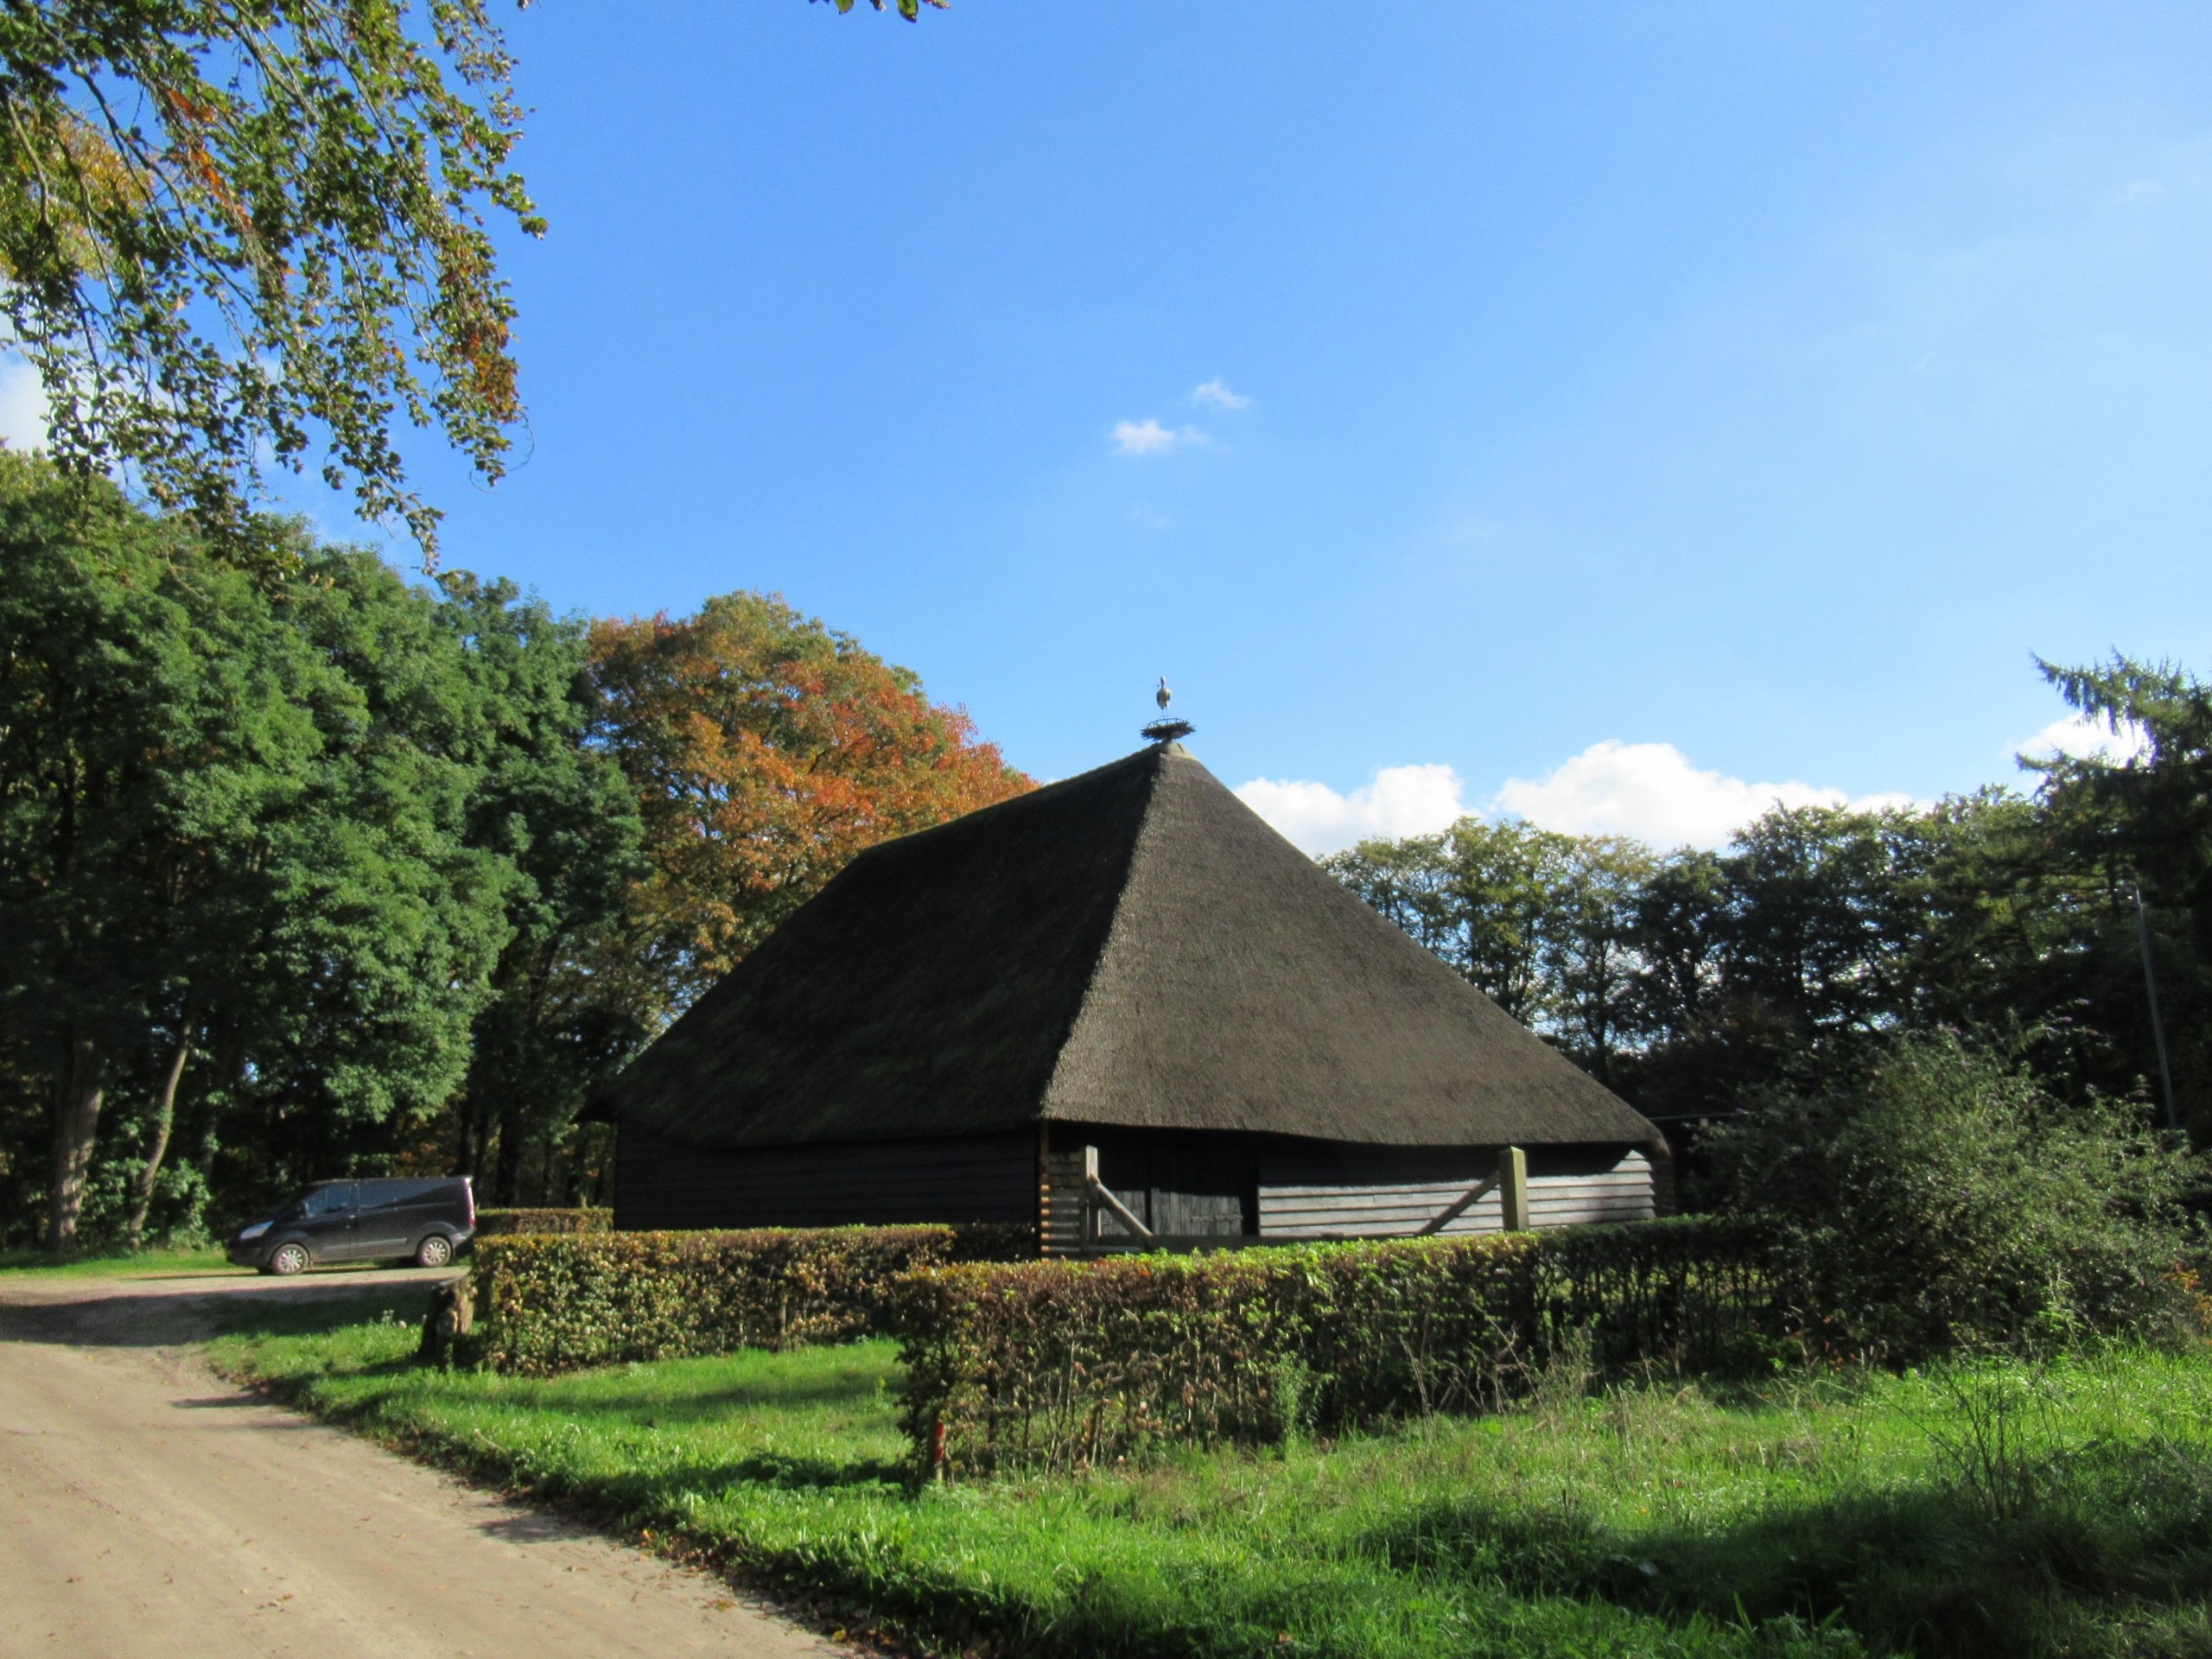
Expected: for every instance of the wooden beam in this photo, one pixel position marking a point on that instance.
(1101, 1194)
(1467, 1201)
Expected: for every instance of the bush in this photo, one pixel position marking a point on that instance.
(1948, 1201)
(552, 1302)
(495, 1223)
(1065, 1365)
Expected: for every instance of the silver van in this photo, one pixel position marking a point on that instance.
(425, 1222)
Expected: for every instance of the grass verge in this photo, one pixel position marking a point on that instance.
(2008, 1512)
(146, 1264)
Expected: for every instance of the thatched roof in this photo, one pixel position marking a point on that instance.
(1132, 946)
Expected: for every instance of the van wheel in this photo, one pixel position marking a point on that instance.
(289, 1259)
(434, 1252)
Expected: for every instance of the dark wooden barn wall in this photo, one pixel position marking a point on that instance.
(1305, 1190)
(662, 1183)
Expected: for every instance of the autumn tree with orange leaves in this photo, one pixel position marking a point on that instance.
(767, 750)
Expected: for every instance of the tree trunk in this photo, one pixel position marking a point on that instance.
(164, 1116)
(76, 1127)
(513, 1140)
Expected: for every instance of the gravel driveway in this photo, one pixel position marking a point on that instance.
(153, 1511)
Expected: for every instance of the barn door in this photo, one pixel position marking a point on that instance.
(1204, 1189)
(1181, 1186)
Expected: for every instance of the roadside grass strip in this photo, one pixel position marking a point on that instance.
(2004, 1510)
(20, 1265)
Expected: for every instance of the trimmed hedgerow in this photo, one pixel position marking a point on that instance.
(1069, 1365)
(546, 1303)
(1692, 1293)
(496, 1224)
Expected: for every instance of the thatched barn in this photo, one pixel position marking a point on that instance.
(1119, 1005)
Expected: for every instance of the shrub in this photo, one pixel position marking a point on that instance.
(553, 1302)
(1063, 1364)
(494, 1224)
(1948, 1201)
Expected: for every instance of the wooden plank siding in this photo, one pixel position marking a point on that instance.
(1311, 1189)
(1375, 1193)
(1297, 1190)
(659, 1183)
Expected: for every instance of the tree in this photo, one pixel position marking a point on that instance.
(139, 735)
(227, 228)
(909, 10)
(2142, 823)
(232, 226)
(1538, 921)
(1939, 1194)
(561, 819)
(1408, 881)
(232, 818)
(1592, 952)
(765, 750)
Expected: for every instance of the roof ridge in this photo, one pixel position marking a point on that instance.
(1027, 800)
(1156, 755)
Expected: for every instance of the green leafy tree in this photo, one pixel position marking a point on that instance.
(1592, 953)
(227, 226)
(1407, 880)
(233, 826)
(230, 231)
(2142, 823)
(561, 817)
(1539, 922)
(146, 720)
(1942, 1196)
(1816, 918)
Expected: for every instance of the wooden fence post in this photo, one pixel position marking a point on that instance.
(1513, 1165)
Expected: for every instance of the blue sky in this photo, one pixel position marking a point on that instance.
(1765, 383)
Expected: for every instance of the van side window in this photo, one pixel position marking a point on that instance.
(329, 1198)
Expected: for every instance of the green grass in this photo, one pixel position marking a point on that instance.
(146, 1264)
(2007, 1511)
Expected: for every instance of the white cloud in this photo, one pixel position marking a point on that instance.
(1651, 791)
(1219, 394)
(1401, 801)
(22, 406)
(1149, 437)
(2082, 737)
(2140, 190)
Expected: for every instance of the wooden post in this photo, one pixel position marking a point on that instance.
(1513, 1170)
(1102, 1197)
(1089, 1197)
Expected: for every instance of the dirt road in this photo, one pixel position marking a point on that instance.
(149, 1511)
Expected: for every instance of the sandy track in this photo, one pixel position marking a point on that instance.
(153, 1511)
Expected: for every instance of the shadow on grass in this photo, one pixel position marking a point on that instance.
(793, 1473)
(2112, 1558)
(856, 1388)
(311, 1310)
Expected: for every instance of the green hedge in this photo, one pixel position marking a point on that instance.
(1065, 1364)
(546, 1303)
(495, 1223)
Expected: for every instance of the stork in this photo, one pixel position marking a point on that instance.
(1161, 696)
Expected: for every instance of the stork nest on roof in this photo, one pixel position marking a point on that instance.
(1168, 731)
